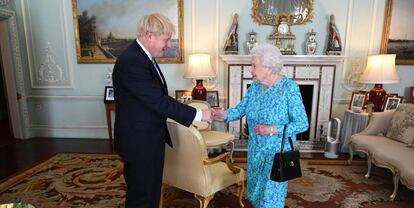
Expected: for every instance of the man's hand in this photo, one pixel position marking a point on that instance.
(219, 115)
(207, 116)
(265, 130)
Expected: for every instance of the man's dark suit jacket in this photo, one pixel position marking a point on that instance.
(142, 106)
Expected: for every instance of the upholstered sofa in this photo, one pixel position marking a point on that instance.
(388, 142)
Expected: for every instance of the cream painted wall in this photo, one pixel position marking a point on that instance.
(78, 111)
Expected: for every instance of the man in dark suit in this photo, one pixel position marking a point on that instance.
(142, 108)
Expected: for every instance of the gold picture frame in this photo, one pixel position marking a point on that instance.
(104, 30)
(401, 45)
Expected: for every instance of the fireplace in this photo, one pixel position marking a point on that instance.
(315, 76)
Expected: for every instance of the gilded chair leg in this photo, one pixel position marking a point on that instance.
(351, 154)
(241, 192)
(203, 200)
(395, 180)
(369, 161)
(231, 151)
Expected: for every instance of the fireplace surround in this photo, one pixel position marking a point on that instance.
(315, 74)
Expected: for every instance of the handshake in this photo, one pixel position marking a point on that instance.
(210, 114)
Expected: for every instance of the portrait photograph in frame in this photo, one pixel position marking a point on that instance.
(103, 29)
(109, 94)
(358, 101)
(183, 95)
(398, 37)
(392, 102)
(213, 98)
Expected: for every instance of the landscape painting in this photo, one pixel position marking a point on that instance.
(104, 28)
(398, 36)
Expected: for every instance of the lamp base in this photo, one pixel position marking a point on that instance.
(199, 91)
(377, 97)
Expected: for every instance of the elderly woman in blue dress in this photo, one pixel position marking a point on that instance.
(271, 103)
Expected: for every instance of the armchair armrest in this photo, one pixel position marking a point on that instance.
(225, 157)
(378, 123)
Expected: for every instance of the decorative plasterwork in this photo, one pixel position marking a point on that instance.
(4, 2)
(351, 80)
(49, 72)
(47, 67)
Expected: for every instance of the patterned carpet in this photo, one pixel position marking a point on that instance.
(95, 180)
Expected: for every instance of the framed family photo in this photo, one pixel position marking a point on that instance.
(103, 29)
(398, 37)
(183, 95)
(109, 94)
(358, 100)
(392, 102)
(213, 98)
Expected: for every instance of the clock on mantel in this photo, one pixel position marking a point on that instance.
(283, 38)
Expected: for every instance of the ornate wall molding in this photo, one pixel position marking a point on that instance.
(45, 69)
(4, 2)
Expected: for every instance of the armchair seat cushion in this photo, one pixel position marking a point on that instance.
(393, 153)
(216, 138)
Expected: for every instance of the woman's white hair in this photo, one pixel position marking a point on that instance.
(269, 56)
(155, 23)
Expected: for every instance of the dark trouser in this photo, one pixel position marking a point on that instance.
(143, 178)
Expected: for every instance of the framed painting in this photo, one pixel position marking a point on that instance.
(398, 36)
(103, 29)
(392, 102)
(358, 101)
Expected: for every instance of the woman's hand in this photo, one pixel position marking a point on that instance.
(219, 115)
(265, 130)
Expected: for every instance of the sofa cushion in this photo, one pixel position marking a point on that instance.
(402, 124)
(367, 142)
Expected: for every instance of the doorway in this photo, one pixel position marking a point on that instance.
(5, 132)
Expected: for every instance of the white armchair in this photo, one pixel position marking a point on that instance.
(188, 167)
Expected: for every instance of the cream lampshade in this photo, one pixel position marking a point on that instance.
(199, 68)
(380, 70)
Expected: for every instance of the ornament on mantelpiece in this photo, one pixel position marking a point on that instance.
(334, 40)
(283, 37)
(311, 43)
(231, 46)
(252, 42)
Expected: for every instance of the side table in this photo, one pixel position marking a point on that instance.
(353, 123)
(109, 107)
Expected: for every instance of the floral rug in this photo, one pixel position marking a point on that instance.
(95, 180)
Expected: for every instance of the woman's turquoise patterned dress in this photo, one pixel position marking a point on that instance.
(278, 105)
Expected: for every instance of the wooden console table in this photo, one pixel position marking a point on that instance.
(109, 107)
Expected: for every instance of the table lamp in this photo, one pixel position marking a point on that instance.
(380, 70)
(199, 68)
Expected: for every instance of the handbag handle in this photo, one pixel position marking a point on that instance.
(284, 138)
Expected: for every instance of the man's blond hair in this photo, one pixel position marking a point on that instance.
(155, 23)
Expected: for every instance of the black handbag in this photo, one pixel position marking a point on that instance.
(286, 164)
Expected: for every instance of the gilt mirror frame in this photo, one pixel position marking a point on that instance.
(294, 16)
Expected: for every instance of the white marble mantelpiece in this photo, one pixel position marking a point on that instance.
(289, 59)
(317, 70)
